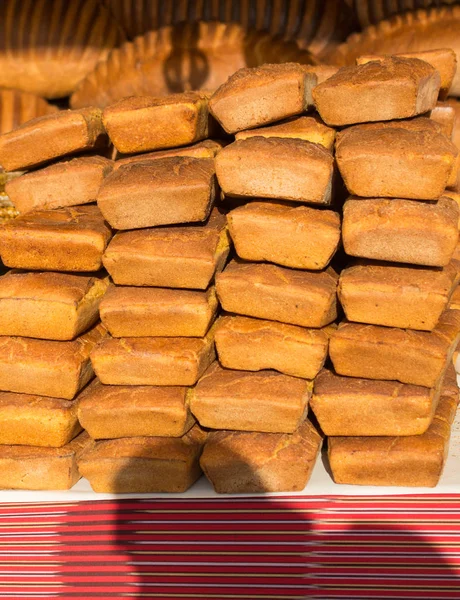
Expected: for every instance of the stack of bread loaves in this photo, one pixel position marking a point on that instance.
(273, 339)
(389, 401)
(162, 306)
(49, 300)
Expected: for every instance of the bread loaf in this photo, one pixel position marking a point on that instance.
(393, 88)
(444, 115)
(47, 368)
(267, 401)
(18, 107)
(396, 296)
(158, 192)
(416, 357)
(142, 123)
(121, 411)
(400, 159)
(51, 136)
(144, 464)
(49, 306)
(237, 462)
(280, 168)
(405, 231)
(270, 292)
(81, 179)
(65, 239)
(38, 468)
(249, 344)
(134, 312)
(286, 234)
(178, 257)
(410, 461)
(177, 361)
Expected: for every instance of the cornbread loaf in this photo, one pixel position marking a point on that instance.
(142, 123)
(119, 411)
(393, 88)
(178, 257)
(30, 420)
(158, 192)
(406, 231)
(177, 361)
(65, 239)
(444, 60)
(47, 368)
(370, 407)
(444, 115)
(374, 352)
(270, 292)
(286, 234)
(396, 296)
(280, 168)
(310, 129)
(66, 183)
(412, 461)
(237, 462)
(134, 312)
(51, 136)
(49, 306)
(38, 468)
(400, 159)
(204, 149)
(144, 464)
(256, 96)
(249, 344)
(246, 401)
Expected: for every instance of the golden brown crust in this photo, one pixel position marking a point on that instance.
(393, 88)
(43, 189)
(270, 292)
(65, 239)
(159, 192)
(51, 136)
(204, 149)
(281, 168)
(286, 234)
(180, 257)
(246, 401)
(403, 231)
(404, 355)
(399, 159)
(240, 463)
(107, 411)
(254, 344)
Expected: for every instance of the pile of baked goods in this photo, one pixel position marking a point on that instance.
(178, 309)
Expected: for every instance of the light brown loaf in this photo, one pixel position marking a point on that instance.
(245, 401)
(109, 411)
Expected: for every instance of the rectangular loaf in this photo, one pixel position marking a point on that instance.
(416, 357)
(121, 411)
(248, 344)
(49, 306)
(278, 294)
(177, 257)
(246, 401)
(409, 461)
(144, 464)
(64, 239)
(238, 462)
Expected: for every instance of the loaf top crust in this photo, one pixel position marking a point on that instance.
(204, 149)
(73, 448)
(27, 403)
(293, 211)
(133, 103)
(126, 297)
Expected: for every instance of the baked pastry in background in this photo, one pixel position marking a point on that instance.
(46, 48)
(18, 107)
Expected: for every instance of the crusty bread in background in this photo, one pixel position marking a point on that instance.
(109, 411)
(65, 239)
(18, 107)
(143, 464)
(237, 462)
(405, 231)
(444, 115)
(246, 401)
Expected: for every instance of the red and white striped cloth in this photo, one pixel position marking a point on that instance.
(253, 548)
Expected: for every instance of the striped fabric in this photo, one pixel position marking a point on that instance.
(253, 548)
